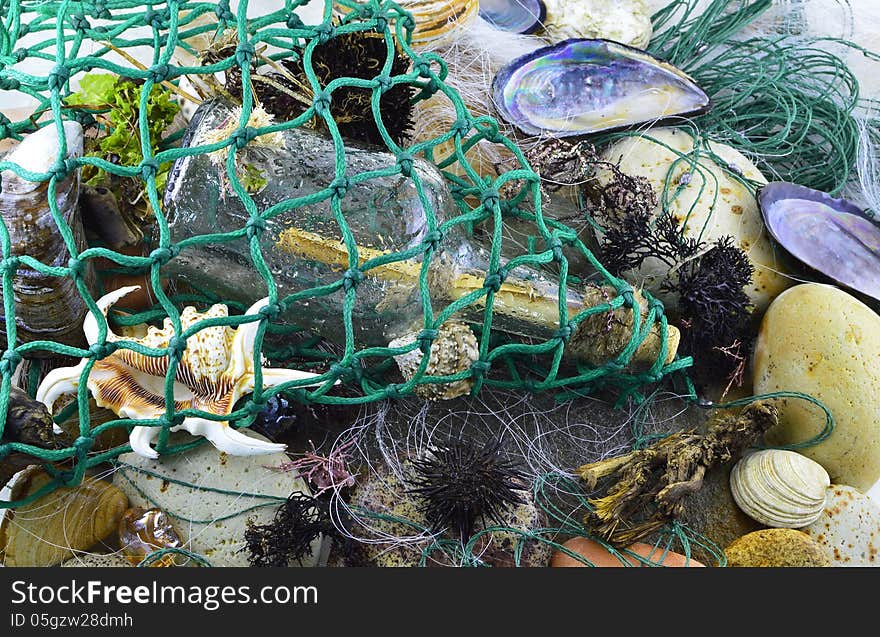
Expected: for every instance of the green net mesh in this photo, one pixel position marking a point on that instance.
(70, 26)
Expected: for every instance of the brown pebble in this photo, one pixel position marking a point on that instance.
(776, 547)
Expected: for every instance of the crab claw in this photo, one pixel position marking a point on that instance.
(229, 440)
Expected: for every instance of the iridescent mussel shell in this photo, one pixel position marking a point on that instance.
(833, 236)
(583, 86)
(516, 16)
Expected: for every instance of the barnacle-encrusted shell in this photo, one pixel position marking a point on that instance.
(454, 350)
(580, 86)
(780, 489)
(52, 528)
(47, 307)
(215, 369)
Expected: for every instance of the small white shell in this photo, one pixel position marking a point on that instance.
(780, 489)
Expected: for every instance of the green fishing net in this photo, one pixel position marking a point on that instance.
(70, 26)
(792, 114)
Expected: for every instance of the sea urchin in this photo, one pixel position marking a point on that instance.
(462, 482)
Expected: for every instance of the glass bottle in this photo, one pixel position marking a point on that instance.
(303, 245)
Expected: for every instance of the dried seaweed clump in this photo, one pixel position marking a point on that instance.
(707, 278)
(463, 482)
(658, 479)
(288, 538)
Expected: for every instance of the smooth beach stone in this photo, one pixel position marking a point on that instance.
(624, 21)
(849, 528)
(599, 555)
(711, 204)
(821, 341)
(209, 523)
(774, 548)
(97, 560)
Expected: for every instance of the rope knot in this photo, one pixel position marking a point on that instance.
(100, 11)
(23, 30)
(433, 239)
(176, 346)
(424, 68)
(271, 311)
(164, 255)
(79, 23)
(383, 82)
(77, 267)
(340, 371)
(102, 350)
(490, 198)
(294, 21)
(9, 265)
(222, 11)
(9, 362)
(405, 163)
(340, 186)
(149, 169)
(9, 84)
(658, 306)
(19, 55)
(156, 19)
(324, 31)
(244, 53)
(158, 73)
(255, 225)
(352, 278)
(243, 136)
(58, 77)
(481, 367)
(460, 127)
(82, 445)
(59, 170)
(321, 102)
(426, 338)
(392, 391)
(494, 281)
(555, 244)
(408, 23)
(564, 333)
(627, 292)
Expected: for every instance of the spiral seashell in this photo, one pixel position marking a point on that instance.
(780, 489)
(435, 20)
(47, 307)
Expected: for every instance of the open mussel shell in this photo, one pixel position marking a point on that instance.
(833, 236)
(583, 86)
(516, 16)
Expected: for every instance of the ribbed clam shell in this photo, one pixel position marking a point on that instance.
(833, 236)
(46, 307)
(780, 489)
(583, 86)
(435, 20)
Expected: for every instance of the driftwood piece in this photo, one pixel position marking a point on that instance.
(652, 484)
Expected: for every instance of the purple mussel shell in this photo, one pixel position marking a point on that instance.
(582, 86)
(833, 236)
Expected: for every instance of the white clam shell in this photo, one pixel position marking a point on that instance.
(780, 489)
